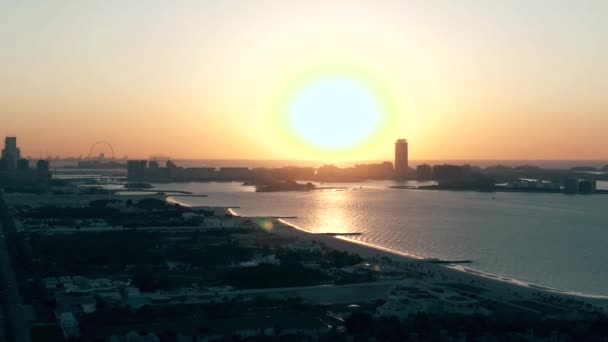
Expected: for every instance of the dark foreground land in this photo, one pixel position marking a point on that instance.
(134, 268)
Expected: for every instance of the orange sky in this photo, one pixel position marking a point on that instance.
(469, 79)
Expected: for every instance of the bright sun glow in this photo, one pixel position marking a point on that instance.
(334, 112)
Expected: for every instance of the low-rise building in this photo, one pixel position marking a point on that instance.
(406, 300)
(579, 186)
(69, 325)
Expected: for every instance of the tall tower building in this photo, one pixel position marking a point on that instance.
(11, 154)
(401, 162)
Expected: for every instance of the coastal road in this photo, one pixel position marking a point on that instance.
(319, 294)
(16, 326)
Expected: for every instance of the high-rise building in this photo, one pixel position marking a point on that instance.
(11, 154)
(401, 158)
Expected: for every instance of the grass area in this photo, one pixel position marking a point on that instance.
(544, 308)
(47, 333)
(464, 287)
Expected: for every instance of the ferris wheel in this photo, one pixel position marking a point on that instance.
(99, 149)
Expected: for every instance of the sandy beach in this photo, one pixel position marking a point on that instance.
(492, 287)
(495, 287)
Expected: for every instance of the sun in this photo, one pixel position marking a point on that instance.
(334, 112)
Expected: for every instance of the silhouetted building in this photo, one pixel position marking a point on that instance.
(332, 173)
(42, 167)
(234, 174)
(571, 186)
(447, 172)
(374, 171)
(136, 169)
(191, 174)
(295, 173)
(401, 158)
(586, 186)
(3, 165)
(424, 172)
(283, 173)
(462, 177)
(11, 154)
(15, 172)
(143, 171)
(579, 186)
(23, 165)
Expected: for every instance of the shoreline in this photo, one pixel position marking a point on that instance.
(498, 284)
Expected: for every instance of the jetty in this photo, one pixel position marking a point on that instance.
(341, 234)
(440, 261)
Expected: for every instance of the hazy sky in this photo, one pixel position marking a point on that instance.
(198, 79)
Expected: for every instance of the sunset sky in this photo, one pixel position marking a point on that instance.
(208, 79)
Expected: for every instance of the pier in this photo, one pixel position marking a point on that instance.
(439, 261)
(341, 234)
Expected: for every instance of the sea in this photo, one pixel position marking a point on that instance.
(553, 240)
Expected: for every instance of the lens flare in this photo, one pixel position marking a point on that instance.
(266, 225)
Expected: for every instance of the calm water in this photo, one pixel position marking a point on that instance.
(548, 239)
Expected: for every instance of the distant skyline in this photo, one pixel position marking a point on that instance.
(467, 80)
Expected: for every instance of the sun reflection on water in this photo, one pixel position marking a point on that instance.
(330, 212)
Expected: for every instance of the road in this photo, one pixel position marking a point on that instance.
(318, 294)
(16, 326)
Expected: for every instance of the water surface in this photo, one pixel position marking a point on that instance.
(549, 239)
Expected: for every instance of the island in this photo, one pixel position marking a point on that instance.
(288, 185)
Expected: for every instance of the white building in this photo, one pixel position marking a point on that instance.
(69, 325)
